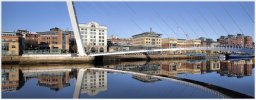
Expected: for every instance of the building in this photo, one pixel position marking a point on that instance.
(118, 44)
(239, 40)
(94, 37)
(72, 42)
(22, 33)
(179, 43)
(206, 42)
(31, 41)
(12, 44)
(119, 41)
(94, 82)
(248, 43)
(147, 39)
(55, 40)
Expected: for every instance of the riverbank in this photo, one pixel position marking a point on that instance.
(46, 59)
(74, 59)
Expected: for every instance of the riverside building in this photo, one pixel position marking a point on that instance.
(179, 43)
(94, 37)
(55, 40)
(147, 39)
(239, 40)
(12, 44)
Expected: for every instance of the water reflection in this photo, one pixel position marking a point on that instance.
(95, 82)
(237, 69)
(12, 79)
(232, 68)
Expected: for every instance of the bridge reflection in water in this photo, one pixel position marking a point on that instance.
(92, 80)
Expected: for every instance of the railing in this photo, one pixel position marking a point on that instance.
(225, 48)
(53, 51)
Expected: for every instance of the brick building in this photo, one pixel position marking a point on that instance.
(55, 40)
(31, 41)
(12, 44)
(239, 40)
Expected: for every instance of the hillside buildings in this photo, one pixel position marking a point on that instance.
(94, 37)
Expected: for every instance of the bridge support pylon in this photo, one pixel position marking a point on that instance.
(73, 18)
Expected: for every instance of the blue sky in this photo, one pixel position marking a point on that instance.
(124, 19)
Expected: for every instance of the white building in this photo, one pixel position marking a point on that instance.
(94, 82)
(94, 37)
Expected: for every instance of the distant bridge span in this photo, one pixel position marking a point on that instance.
(226, 49)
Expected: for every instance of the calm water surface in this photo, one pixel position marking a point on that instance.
(69, 81)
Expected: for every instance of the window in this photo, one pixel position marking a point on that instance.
(13, 46)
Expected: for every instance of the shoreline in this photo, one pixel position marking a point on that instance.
(21, 60)
(65, 59)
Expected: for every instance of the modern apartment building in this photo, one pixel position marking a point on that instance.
(94, 37)
(147, 39)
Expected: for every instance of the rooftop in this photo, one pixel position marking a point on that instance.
(148, 34)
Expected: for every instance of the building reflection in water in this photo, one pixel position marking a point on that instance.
(54, 80)
(232, 68)
(94, 82)
(236, 68)
(12, 79)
